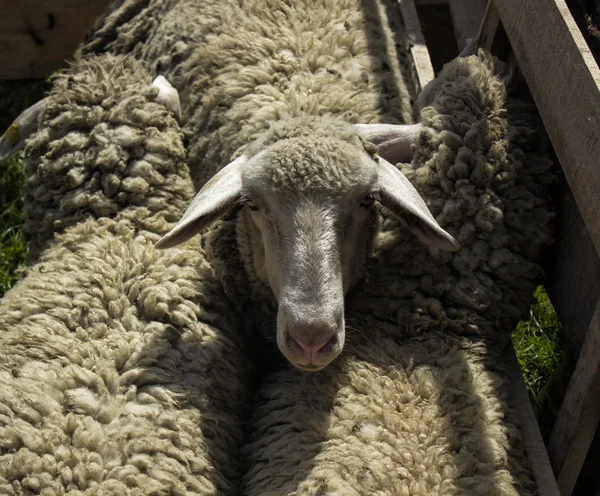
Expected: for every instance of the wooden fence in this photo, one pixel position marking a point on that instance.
(39, 36)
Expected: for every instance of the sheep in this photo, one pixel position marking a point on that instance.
(378, 420)
(418, 403)
(283, 111)
(122, 370)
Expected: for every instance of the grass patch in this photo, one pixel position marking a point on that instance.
(15, 96)
(13, 248)
(539, 344)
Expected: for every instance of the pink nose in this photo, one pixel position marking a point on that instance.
(314, 342)
(312, 348)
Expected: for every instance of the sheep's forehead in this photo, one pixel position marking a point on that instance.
(304, 165)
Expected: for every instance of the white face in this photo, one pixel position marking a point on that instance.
(312, 233)
(310, 248)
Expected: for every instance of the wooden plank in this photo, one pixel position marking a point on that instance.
(534, 444)
(38, 36)
(489, 26)
(485, 34)
(573, 269)
(466, 19)
(579, 414)
(418, 48)
(565, 83)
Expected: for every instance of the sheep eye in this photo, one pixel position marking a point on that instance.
(251, 206)
(367, 201)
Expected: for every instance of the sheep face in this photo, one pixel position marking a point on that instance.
(308, 193)
(310, 204)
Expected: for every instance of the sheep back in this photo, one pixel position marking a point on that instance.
(241, 66)
(419, 402)
(122, 370)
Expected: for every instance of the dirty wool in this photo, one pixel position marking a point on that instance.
(121, 371)
(419, 402)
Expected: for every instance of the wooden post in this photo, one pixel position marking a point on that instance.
(466, 19)
(489, 26)
(564, 80)
(418, 49)
(579, 414)
(534, 445)
(39, 36)
(573, 281)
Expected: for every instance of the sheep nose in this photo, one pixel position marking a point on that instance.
(311, 349)
(314, 342)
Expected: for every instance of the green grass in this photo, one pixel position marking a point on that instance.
(545, 364)
(15, 96)
(538, 343)
(13, 248)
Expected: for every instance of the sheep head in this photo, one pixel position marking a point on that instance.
(309, 187)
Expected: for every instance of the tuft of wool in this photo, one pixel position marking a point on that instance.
(104, 143)
(240, 66)
(418, 403)
(480, 165)
(422, 417)
(122, 370)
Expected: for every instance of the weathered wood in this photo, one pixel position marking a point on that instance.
(573, 269)
(534, 444)
(565, 82)
(489, 26)
(39, 36)
(466, 19)
(579, 413)
(418, 48)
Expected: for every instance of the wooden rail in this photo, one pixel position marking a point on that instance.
(564, 80)
(534, 444)
(579, 414)
(466, 19)
(39, 36)
(418, 49)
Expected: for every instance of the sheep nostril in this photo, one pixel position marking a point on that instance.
(311, 348)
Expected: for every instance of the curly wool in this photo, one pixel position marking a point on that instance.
(104, 143)
(121, 371)
(480, 150)
(314, 57)
(419, 401)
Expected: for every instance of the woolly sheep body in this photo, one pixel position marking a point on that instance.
(418, 403)
(318, 58)
(347, 430)
(309, 62)
(121, 369)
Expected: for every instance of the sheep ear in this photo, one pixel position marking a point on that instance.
(168, 96)
(217, 197)
(21, 129)
(394, 142)
(402, 199)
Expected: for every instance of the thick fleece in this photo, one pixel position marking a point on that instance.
(240, 66)
(418, 402)
(121, 369)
